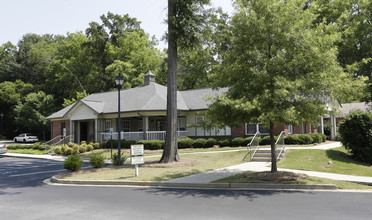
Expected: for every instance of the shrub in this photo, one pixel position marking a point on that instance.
(83, 142)
(68, 151)
(185, 142)
(292, 139)
(70, 144)
(95, 145)
(36, 146)
(200, 142)
(152, 145)
(316, 138)
(89, 147)
(323, 136)
(97, 160)
(82, 149)
(238, 141)
(305, 139)
(247, 141)
(75, 149)
(58, 150)
(73, 163)
(210, 143)
(64, 148)
(224, 142)
(266, 140)
(356, 135)
(115, 161)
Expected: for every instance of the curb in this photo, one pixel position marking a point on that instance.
(197, 185)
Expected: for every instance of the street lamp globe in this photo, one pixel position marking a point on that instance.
(119, 80)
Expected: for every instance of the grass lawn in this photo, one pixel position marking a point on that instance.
(317, 160)
(189, 164)
(311, 180)
(26, 151)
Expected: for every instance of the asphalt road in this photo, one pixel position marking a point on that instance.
(24, 195)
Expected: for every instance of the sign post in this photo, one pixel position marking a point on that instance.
(111, 132)
(136, 154)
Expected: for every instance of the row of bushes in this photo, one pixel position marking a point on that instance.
(72, 148)
(36, 146)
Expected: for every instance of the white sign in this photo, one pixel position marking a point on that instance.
(136, 150)
(137, 160)
(64, 132)
(111, 130)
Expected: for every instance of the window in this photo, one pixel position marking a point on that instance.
(290, 129)
(199, 119)
(63, 126)
(182, 124)
(125, 126)
(107, 125)
(251, 129)
(140, 124)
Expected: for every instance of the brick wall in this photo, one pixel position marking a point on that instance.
(239, 132)
(56, 127)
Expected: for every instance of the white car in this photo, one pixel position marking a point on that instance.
(26, 137)
(2, 148)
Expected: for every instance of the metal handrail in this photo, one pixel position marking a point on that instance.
(51, 141)
(281, 139)
(255, 140)
(62, 140)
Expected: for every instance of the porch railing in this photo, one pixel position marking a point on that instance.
(150, 135)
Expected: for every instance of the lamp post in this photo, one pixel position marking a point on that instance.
(119, 80)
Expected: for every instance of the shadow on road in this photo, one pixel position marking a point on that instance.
(217, 193)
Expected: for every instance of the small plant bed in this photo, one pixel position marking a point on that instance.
(154, 171)
(288, 178)
(337, 160)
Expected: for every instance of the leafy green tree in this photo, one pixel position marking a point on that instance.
(279, 67)
(353, 19)
(11, 94)
(32, 112)
(79, 95)
(8, 63)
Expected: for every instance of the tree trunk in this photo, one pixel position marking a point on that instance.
(273, 150)
(170, 149)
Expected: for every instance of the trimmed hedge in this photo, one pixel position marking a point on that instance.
(224, 142)
(266, 140)
(210, 143)
(152, 145)
(238, 141)
(185, 142)
(200, 142)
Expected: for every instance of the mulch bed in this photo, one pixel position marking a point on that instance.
(280, 176)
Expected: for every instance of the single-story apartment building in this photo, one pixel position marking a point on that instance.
(143, 116)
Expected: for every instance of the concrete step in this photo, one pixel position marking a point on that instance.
(264, 159)
(259, 154)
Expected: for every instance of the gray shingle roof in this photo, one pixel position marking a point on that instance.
(151, 97)
(347, 107)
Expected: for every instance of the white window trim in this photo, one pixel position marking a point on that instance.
(290, 129)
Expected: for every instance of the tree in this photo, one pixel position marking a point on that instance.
(279, 67)
(184, 17)
(32, 112)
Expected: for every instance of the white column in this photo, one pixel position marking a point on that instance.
(333, 127)
(72, 139)
(96, 129)
(321, 125)
(145, 121)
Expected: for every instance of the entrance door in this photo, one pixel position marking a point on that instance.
(83, 131)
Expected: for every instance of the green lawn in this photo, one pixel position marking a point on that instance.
(317, 160)
(311, 180)
(26, 151)
(199, 163)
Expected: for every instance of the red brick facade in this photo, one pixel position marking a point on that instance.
(57, 128)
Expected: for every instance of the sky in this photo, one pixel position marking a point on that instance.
(58, 17)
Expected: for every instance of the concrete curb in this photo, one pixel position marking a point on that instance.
(54, 179)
